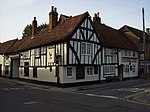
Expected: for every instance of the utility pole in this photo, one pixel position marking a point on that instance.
(143, 49)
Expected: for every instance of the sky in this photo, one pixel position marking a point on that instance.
(16, 14)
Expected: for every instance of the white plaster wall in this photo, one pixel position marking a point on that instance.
(73, 79)
(130, 74)
(43, 74)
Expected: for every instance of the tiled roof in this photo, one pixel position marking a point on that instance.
(113, 38)
(137, 32)
(6, 45)
(15, 46)
(60, 33)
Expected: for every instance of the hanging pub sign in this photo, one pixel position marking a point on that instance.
(142, 56)
(50, 55)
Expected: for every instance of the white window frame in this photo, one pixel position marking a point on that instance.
(69, 72)
(109, 69)
(89, 71)
(86, 48)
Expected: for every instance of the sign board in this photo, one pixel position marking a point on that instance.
(7, 63)
(50, 55)
(142, 56)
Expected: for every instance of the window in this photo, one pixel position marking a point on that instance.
(126, 69)
(43, 50)
(37, 52)
(109, 69)
(85, 48)
(95, 69)
(133, 68)
(26, 54)
(35, 72)
(89, 71)
(88, 48)
(69, 71)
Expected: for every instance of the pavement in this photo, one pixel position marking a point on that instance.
(141, 97)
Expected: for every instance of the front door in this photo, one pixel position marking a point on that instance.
(26, 69)
(80, 72)
(15, 68)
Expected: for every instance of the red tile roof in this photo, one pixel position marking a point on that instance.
(113, 38)
(137, 32)
(6, 45)
(58, 34)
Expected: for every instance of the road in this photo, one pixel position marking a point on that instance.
(107, 97)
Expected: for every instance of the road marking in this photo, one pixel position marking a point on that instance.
(101, 96)
(30, 103)
(134, 90)
(8, 89)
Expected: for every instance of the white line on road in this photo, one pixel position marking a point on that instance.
(30, 103)
(7, 89)
(102, 96)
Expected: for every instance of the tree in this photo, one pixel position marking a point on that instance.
(28, 29)
(42, 26)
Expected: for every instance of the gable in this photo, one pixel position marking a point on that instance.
(86, 32)
(84, 46)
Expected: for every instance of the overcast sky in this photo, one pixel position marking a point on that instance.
(16, 14)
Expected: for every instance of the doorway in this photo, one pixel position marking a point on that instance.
(80, 74)
(14, 68)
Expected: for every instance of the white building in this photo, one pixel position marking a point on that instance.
(119, 54)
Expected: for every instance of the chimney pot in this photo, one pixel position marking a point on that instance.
(52, 9)
(148, 31)
(55, 9)
(53, 18)
(34, 26)
(96, 18)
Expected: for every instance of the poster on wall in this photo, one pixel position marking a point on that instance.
(50, 55)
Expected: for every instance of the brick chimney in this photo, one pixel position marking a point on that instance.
(96, 18)
(148, 31)
(34, 26)
(53, 17)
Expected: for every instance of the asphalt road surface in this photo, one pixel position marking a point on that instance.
(127, 96)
